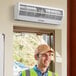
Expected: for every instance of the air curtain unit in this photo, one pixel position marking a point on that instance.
(37, 13)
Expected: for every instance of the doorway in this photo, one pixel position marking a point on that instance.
(25, 41)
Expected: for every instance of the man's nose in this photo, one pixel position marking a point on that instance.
(47, 57)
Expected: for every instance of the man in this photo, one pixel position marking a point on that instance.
(43, 57)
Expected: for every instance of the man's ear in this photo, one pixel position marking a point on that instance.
(36, 57)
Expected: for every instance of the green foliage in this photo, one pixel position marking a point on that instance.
(24, 46)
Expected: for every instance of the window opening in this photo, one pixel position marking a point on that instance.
(24, 44)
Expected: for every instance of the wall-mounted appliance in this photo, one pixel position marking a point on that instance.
(37, 13)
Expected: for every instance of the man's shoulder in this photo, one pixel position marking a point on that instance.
(50, 73)
(30, 71)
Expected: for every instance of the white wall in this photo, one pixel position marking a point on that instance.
(58, 42)
(7, 22)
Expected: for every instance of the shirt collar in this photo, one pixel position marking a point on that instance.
(36, 69)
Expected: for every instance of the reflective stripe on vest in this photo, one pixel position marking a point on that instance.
(31, 72)
(27, 73)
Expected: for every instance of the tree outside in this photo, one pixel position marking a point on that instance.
(24, 45)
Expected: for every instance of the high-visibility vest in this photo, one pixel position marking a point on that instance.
(31, 72)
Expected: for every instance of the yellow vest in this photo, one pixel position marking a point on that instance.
(31, 72)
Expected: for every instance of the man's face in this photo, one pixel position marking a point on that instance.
(44, 59)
